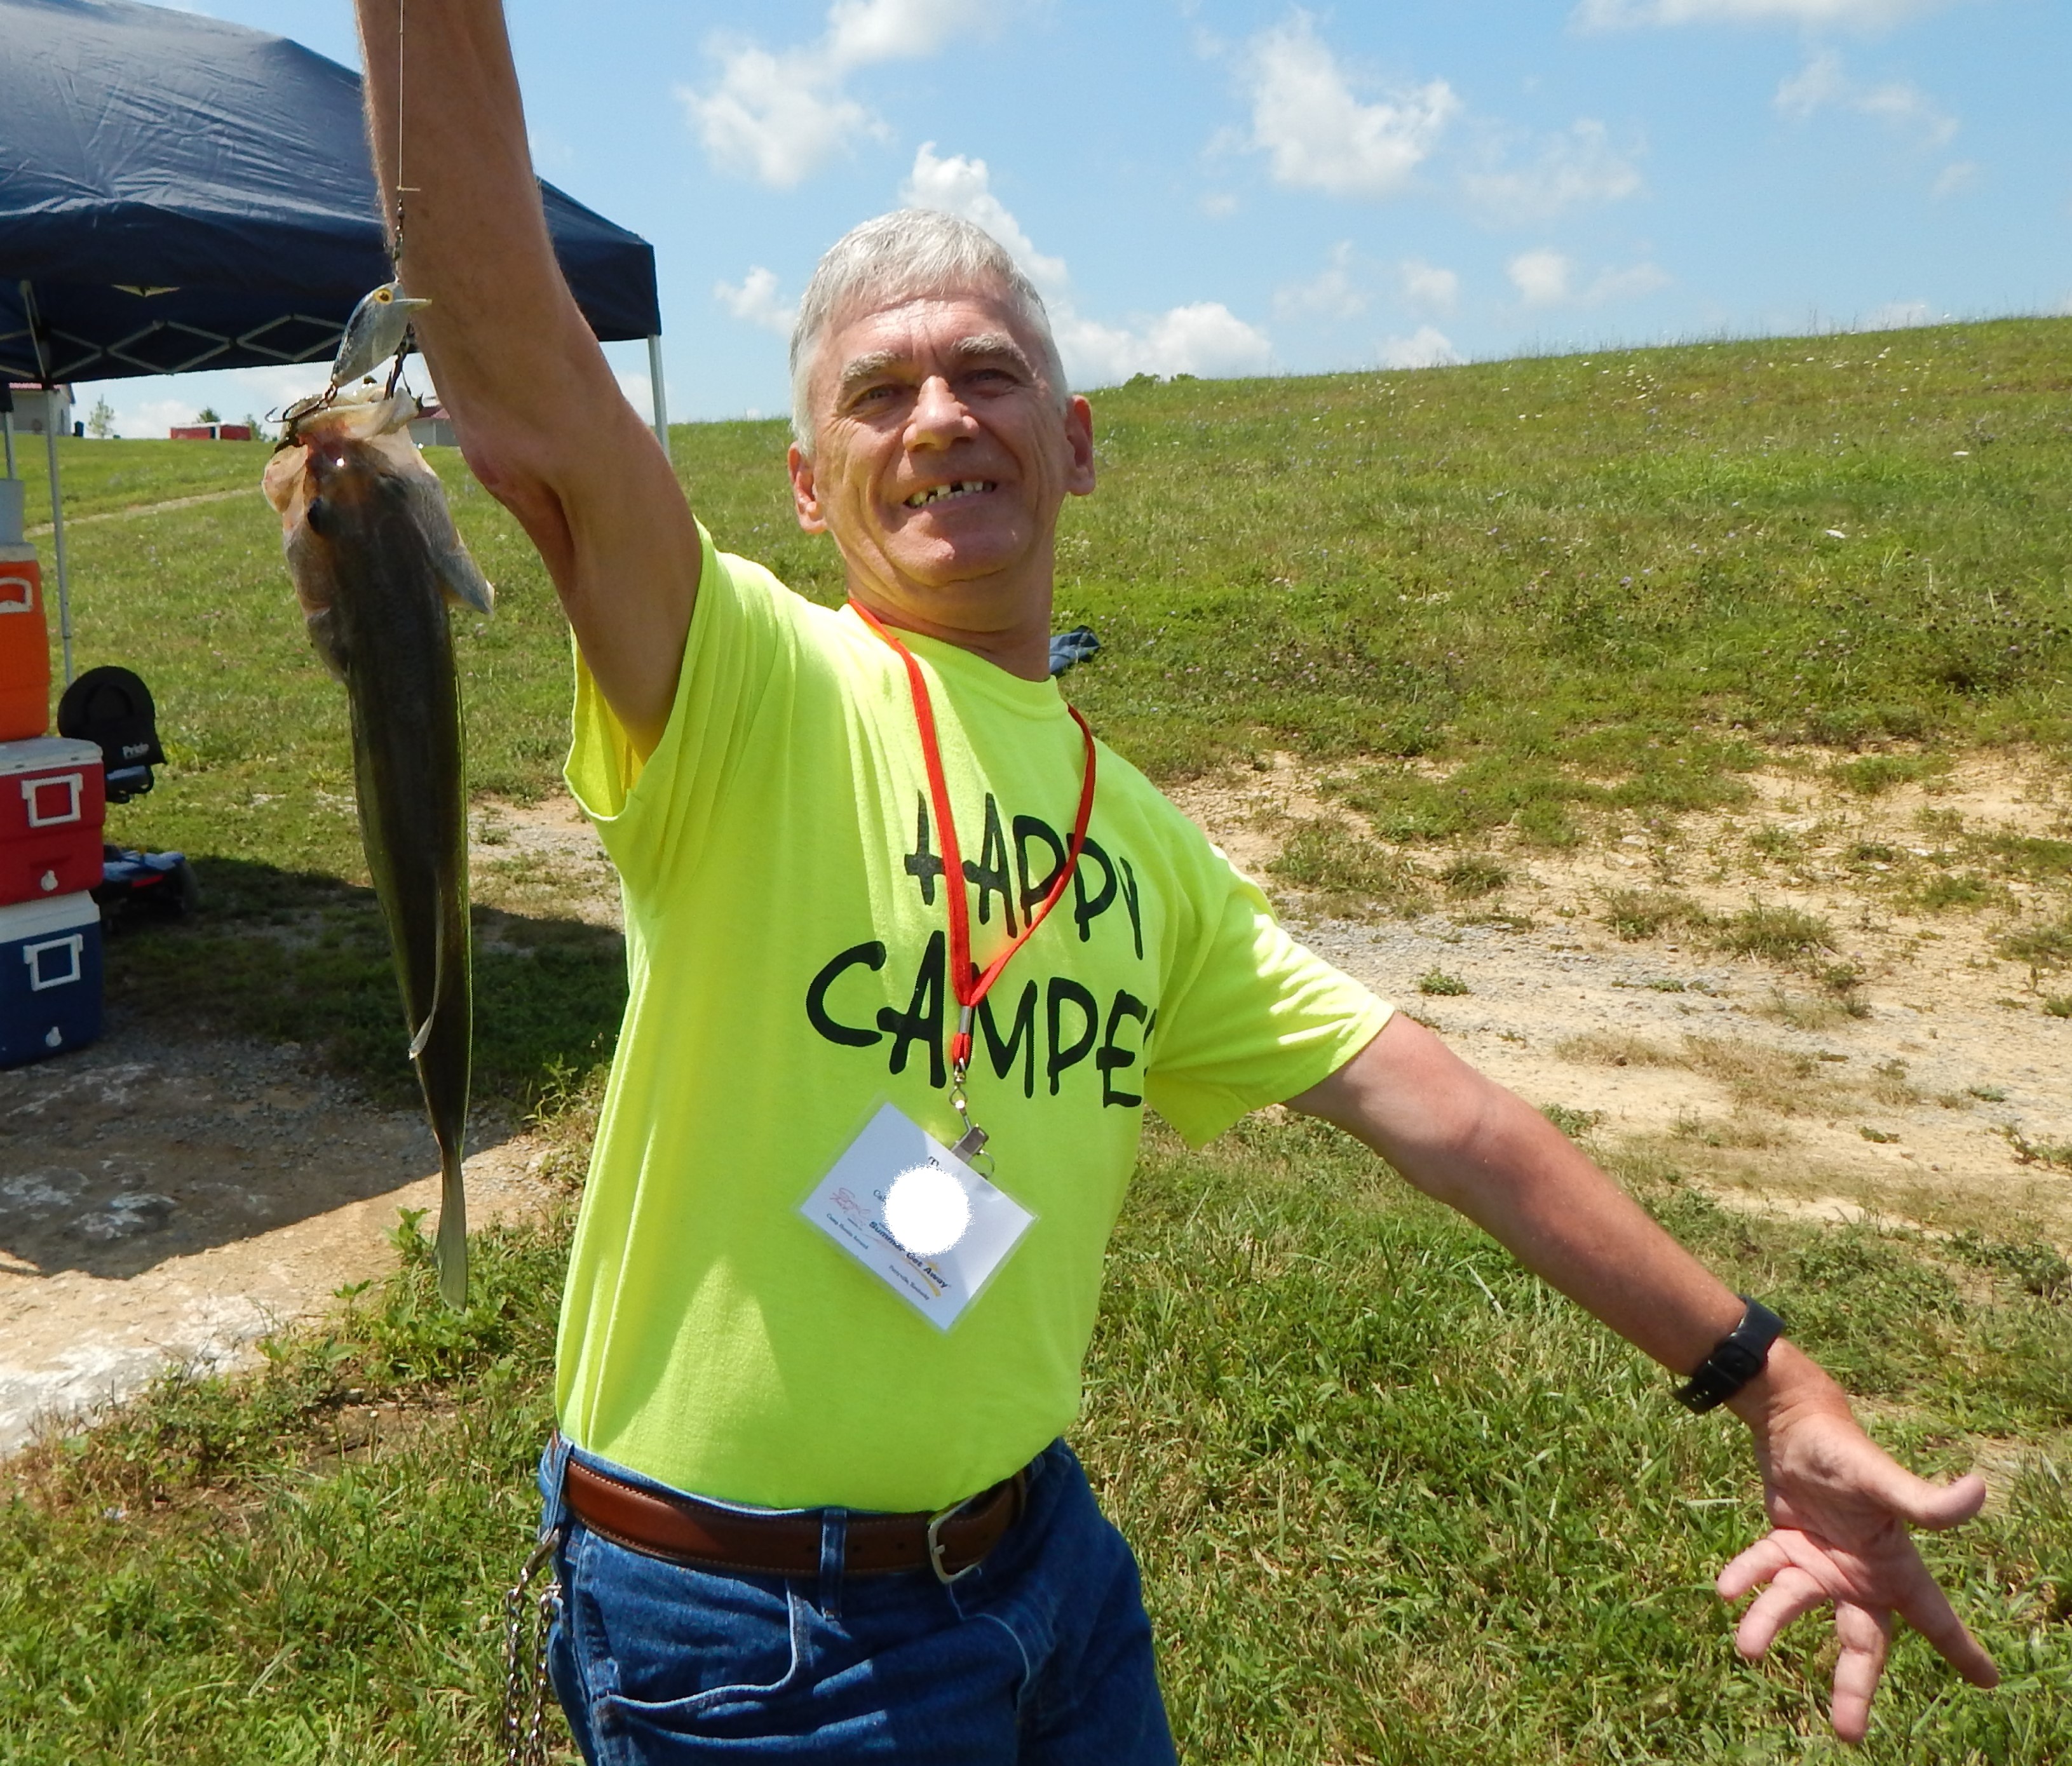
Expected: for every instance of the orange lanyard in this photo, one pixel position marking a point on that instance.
(970, 984)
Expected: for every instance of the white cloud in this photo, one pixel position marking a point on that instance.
(1319, 136)
(1612, 15)
(1959, 175)
(1546, 278)
(1425, 347)
(1821, 84)
(1429, 288)
(1540, 277)
(1203, 338)
(755, 300)
(1579, 165)
(1333, 293)
(1625, 285)
(777, 116)
(1897, 316)
(958, 186)
(148, 405)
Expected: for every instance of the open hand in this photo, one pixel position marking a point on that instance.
(1840, 1507)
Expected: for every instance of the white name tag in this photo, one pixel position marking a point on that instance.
(916, 1216)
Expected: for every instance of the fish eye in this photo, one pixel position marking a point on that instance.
(383, 295)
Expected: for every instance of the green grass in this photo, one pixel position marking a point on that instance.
(1395, 1501)
(257, 788)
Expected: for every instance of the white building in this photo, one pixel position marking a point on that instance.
(39, 412)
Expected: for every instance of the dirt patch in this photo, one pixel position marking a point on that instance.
(137, 510)
(173, 1203)
(1765, 1087)
(162, 1204)
(527, 857)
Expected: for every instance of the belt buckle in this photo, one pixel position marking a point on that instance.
(942, 1575)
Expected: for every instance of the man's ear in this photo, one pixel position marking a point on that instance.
(805, 499)
(1080, 437)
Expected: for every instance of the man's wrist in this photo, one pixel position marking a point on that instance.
(1791, 1383)
(1733, 1360)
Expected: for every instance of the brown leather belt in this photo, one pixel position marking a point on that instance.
(709, 1536)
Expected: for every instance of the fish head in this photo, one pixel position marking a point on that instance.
(334, 461)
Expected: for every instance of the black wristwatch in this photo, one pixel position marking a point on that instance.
(1737, 1358)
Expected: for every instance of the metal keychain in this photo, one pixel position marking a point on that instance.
(525, 1679)
(971, 1144)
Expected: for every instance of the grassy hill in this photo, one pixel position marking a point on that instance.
(1396, 1501)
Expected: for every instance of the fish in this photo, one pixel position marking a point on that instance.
(375, 332)
(375, 561)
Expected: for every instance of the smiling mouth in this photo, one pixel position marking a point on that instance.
(940, 493)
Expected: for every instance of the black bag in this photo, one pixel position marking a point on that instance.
(111, 709)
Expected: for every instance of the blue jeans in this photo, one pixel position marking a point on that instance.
(1041, 1657)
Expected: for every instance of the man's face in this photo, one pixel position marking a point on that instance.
(941, 458)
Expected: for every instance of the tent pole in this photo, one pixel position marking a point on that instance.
(660, 398)
(57, 493)
(7, 429)
(57, 534)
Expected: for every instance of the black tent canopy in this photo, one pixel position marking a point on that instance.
(180, 193)
(177, 194)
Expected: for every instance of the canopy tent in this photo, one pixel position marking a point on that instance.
(177, 193)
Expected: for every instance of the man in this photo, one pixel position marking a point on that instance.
(811, 1353)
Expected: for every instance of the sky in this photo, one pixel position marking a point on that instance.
(1245, 186)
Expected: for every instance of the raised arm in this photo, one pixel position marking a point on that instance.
(541, 421)
(1839, 1507)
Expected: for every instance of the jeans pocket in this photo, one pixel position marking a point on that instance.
(666, 1648)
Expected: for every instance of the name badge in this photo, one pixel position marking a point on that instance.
(917, 1217)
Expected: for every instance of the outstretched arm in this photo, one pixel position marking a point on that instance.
(1838, 1506)
(541, 418)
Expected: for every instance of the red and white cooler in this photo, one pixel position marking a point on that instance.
(51, 806)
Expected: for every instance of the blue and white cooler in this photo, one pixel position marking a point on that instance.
(50, 977)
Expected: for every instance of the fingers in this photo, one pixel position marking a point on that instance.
(1751, 1568)
(1791, 1595)
(1866, 1639)
(1921, 1504)
(1925, 1606)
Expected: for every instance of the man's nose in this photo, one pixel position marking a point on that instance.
(939, 415)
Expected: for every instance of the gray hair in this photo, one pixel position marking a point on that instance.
(907, 255)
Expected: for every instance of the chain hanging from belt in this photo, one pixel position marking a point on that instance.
(969, 983)
(528, 1618)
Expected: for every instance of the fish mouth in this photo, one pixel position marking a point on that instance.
(943, 493)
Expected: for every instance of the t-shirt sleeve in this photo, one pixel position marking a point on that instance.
(1256, 1019)
(742, 642)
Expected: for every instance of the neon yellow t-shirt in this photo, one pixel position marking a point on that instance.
(785, 931)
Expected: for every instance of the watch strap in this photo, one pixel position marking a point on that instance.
(1737, 1358)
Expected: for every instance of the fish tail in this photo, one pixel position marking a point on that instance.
(450, 1249)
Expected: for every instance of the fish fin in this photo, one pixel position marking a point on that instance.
(460, 576)
(439, 985)
(449, 1248)
(327, 637)
(463, 581)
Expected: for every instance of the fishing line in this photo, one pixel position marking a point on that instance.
(397, 255)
